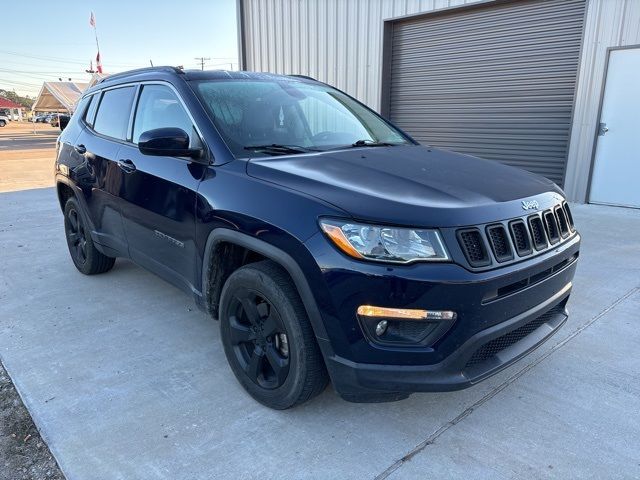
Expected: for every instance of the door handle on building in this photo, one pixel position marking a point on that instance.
(602, 129)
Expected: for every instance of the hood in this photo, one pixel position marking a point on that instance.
(409, 185)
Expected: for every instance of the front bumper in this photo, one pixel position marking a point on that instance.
(465, 367)
(503, 315)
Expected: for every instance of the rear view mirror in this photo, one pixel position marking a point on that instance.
(167, 142)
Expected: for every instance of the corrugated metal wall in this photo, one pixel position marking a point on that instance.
(340, 42)
(496, 82)
(609, 23)
(335, 41)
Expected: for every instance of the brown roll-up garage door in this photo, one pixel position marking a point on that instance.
(496, 81)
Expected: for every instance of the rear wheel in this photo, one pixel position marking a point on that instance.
(268, 339)
(2, 123)
(84, 254)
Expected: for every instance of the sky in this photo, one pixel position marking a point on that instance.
(53, 39)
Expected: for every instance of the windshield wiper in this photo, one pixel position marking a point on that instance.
(278, 148)
(372, 143)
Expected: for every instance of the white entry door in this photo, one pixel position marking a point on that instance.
(616, 171)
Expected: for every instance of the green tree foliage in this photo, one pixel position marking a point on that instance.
(14, 97)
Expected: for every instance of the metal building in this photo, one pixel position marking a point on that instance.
(517, 81)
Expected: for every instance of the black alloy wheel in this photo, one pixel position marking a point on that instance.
(259, 339)
(76, 236)
(86, 257)
(267, 337)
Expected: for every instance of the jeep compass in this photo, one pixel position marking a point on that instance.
(329, 244)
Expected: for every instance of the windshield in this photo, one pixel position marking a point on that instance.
(282, 116)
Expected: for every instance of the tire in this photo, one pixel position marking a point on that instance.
(2, 123)
(258, 305)
(84, 254)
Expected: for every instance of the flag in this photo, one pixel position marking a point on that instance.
(92, 21)
(98, 64)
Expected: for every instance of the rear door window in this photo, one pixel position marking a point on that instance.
(113, 114)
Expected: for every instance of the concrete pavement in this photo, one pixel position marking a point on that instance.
(27, 153)
(126, 379)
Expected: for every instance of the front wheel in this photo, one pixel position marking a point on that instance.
(2, 123)
(86, 257)
(267, 337)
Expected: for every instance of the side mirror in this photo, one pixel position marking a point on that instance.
(167, 142)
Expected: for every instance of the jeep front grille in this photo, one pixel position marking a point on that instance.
(520, 237)
(562, 221)
(551, 227)
(473, 247)
(537, 232)
(510, 240)
(499, 243)
(567, 212)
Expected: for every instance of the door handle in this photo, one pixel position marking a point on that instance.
(127, 165)
(81, 149)
(602, 129)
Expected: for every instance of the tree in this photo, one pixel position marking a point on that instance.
(25, 101)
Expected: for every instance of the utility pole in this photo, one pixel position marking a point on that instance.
(202, 60)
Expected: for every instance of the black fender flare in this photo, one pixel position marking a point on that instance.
(77, 193)
(275, 254)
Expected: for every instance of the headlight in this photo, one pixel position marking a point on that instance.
(386, 244)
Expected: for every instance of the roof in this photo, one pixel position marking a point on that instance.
(6, 103)
(59, 96)
(165, 73)
(240, 75)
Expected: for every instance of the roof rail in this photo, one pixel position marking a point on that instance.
(115, 76)
(307, 77)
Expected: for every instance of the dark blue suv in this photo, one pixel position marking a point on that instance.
(329, 244)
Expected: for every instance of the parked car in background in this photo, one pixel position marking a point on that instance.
(328, 243)
(63, 120)
(39, 118)
(59, 120)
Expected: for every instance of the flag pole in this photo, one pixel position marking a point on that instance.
(92, 21)
(95, 30)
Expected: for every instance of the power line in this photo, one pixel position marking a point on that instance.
(63, 60)
(40, 72)
(23, 84)
(201, 61)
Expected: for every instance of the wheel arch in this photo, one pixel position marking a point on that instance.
(270, 252)
(65, 192)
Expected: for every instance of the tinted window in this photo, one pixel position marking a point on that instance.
(113, 113)
(159, 107)
(91, 111)
(290, 112)
(81, 107)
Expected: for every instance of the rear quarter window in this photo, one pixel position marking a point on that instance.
(113, 114)
(90, 114)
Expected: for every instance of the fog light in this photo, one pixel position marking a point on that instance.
(405, 313)
(381, 327)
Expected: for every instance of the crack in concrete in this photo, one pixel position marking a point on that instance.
(489, 395)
